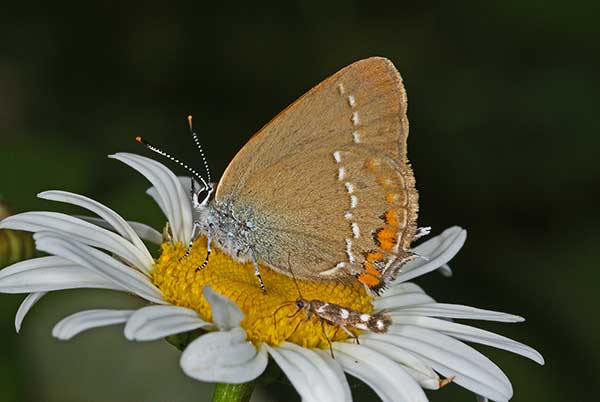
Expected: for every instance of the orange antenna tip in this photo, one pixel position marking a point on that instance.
(138, 139)
(190, 120)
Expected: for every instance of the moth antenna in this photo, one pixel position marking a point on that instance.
(197, 141)
(277, 310)
(294, 276)
(296, 313)
(168, 156)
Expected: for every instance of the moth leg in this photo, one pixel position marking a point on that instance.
(257, 273)
(208, 251)
(346, 330)
(295, 328)
(191, 243)
(327, 337)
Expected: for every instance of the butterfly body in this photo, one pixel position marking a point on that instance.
(229, 231)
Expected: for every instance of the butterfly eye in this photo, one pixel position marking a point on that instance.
(202, 194)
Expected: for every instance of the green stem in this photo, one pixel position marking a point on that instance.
(233, 392)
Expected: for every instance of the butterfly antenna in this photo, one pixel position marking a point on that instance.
(168, 156)
(197, 141)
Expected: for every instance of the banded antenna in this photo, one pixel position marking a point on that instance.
(168, 156)
(197, 142)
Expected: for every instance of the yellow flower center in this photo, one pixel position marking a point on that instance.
(268, 317)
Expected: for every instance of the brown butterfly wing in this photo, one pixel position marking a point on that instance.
(327, 181)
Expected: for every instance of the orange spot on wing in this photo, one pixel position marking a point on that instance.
(371, 276)
(385, 181)
(386, 238)
(391, 217)
(373, 256)
(368, 279)
(395, 217)
(391, 197)
(396, 198)
(373, 164)
(371, 270)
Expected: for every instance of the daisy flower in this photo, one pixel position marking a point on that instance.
(422, 349)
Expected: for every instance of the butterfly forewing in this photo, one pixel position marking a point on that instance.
(327, 180)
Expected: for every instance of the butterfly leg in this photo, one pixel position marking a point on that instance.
(327, 337)
(195, 203)
(296, 328)
(208, 251)
(191, 243)
(257, 273)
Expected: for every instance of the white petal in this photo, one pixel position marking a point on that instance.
(25, 306)
(450, 357)
(469, 334)
(225, 313)
(81, 231)
(223, 357)
(100, 263)
(456, 311)
(421, 372)
(185, 182)
(401, 288)
(437, 252)
(145, 232)
(74, 324)
(310, 374)
(115, 220)
(382, 374)
(50, 273)
(156, 322)
(174, 199)
(337, 370)
(400, 296)
(446, 270)
(429, 246)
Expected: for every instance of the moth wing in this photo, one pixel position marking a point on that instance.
(327, 181)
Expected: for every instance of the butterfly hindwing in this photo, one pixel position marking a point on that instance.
(327, 181)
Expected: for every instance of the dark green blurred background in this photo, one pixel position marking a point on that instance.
(503, 106)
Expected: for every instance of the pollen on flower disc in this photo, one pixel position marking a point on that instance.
(182, 285)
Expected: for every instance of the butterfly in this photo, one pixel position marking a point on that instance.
(326, 182)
